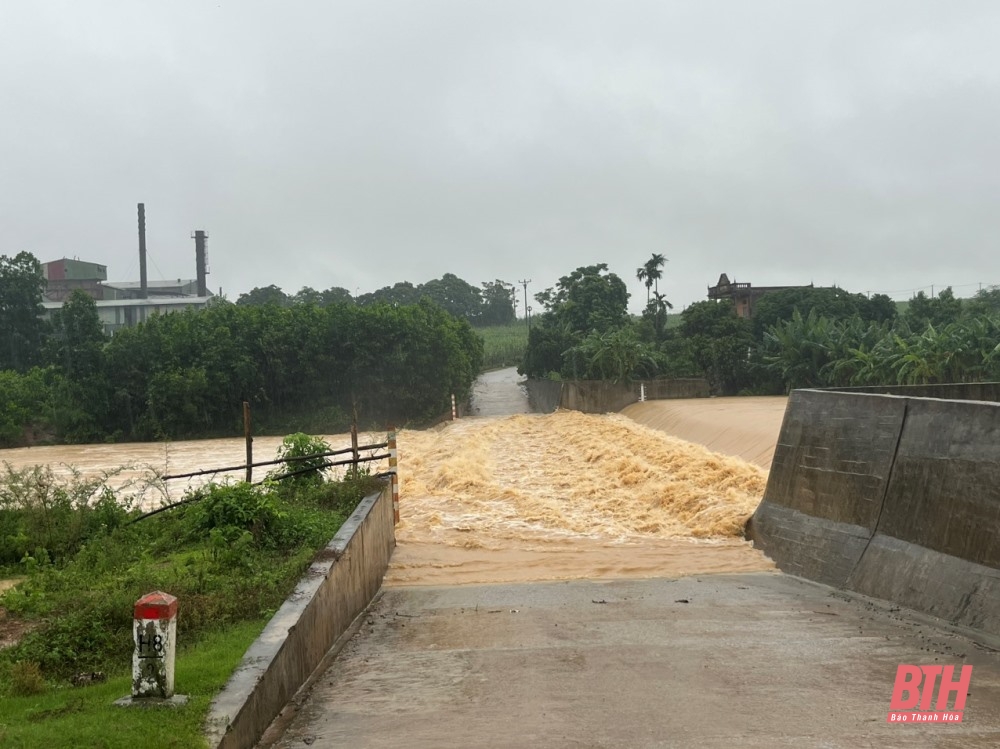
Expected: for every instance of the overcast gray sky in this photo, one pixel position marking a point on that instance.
(357, 144)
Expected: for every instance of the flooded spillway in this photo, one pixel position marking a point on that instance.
(568, 495)
(507, 498)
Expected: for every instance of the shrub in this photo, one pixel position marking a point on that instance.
(228, 511)
(299, 445)
(26, 679)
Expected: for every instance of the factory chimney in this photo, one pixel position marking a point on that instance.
(201, 259)
(143, 291)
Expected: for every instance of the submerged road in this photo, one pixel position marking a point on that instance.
(748, 659)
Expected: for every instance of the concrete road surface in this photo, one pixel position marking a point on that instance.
(748, 660)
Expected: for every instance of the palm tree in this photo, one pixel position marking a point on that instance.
(642, 273)
(653, 269)
(660, 306)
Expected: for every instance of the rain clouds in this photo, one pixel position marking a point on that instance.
(357, 144)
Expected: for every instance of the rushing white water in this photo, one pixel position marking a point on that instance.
(504, 498)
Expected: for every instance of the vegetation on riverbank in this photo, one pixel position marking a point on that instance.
(800, 337)
(231, 557)
(185, 374)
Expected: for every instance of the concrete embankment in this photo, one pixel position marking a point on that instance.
(336, 588)
(745, 427)
(890, 496)
(598, 397)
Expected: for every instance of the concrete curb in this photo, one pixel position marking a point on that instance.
(336, 588)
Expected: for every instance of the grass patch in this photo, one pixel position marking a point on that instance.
(504, 345)
(68, 717)
(231, 557)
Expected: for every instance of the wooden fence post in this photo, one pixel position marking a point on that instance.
(249, 439)
(454, 408)
(394, 471)
(354, 447)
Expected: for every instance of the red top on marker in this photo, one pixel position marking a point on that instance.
(156, 605)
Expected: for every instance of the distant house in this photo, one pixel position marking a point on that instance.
(743, 295)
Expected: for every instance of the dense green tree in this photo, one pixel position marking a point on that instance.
(402, 292)
(985, 302)
(880, 308)
(720, 344)
(498, 303)
(337, 295)
(833, 303)
(75, 346)
(21, 327)
(26, 404)
(265, 296)
(588, 299)
(937, 311)
(545, 354)
(76, 339)
(454, 295)
(308, 295)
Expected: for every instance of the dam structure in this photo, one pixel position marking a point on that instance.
(573, 579)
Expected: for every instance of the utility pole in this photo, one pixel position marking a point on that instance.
(143, 289)
(527, 307)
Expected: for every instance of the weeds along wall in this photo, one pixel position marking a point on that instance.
(338, 586)
(891, 496)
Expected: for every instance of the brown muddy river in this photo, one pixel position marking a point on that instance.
(507, 498)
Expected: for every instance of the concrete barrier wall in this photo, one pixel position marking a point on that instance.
(894, 497)
(336, 588)
(963, 391)
(544, 396)
(596, 396)
(827, 482)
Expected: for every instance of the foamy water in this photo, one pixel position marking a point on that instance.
(506, 498)
(568, 495)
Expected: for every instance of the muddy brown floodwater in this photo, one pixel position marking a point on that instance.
(568, 495)
(511, 498)
(136, 465)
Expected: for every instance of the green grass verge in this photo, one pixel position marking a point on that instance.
(70, 717)
(231, 558)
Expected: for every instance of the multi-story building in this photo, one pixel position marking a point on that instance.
(120, 304)
(743, 295)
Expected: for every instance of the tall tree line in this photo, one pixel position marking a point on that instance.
(801, 337)
(302, 367)
(492, 304)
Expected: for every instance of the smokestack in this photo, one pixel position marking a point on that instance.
(201, 260)
(143, 291)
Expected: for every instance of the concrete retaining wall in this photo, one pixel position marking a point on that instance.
(893, 497)
(336, 588)
(596, 396)
(544, 396)
(963, 391)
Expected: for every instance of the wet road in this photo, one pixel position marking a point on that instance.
(751, 660)
(499, 393)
